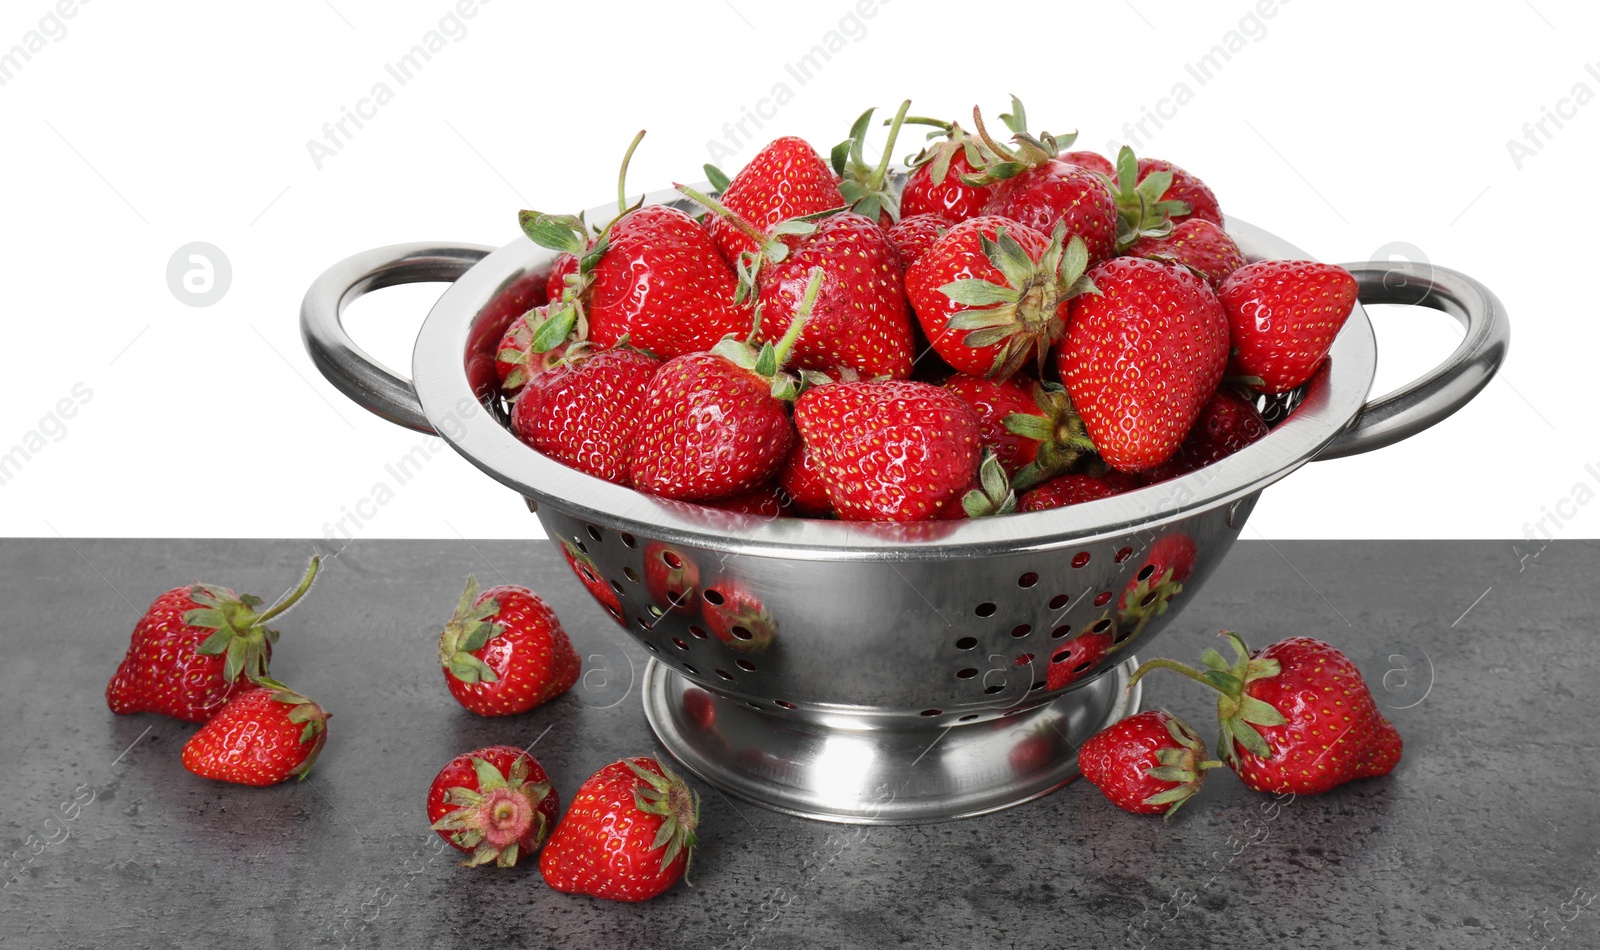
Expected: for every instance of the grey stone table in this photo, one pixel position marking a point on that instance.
(1485, 836)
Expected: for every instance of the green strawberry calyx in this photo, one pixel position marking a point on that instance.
(1186, 765)
(1063, 439)
(669, 797)
(239, 633)
(1023, 315)
(768, 362)
(492, 820)
(304, 712)
(999, 162)
(943, 142)
(866, 188)
(468, 630)
(1238, 713)
(1141, 210)
(995, 495)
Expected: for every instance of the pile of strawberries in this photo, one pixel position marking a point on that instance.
(200, 653)
(1018, 328)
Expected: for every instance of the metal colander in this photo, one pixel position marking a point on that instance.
(875, 672)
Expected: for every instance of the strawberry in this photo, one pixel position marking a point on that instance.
(992, 294)
(866, 188)
(934, 184)
(1141, 358)
(736, 617)
(195, 648)
(1227, 423)
(768, 501)
(802, 481)
(628, 835)
(914, 234)
(717, 424)
(672, 578)
(515, 360)
(1186, 188)
(1197, 244)
(264, 735)
(1283, 316)
(1093, 161)
(1168, 564)
(1033, 187)
(565, 266)
(504, 651)
(1075, 489)
(786, 179)
(1033, 429)
(1149, 763)
(494, 803)
(589, 574)
(1296, 715)
(889, 450)
(585, 412)
(1081, 655)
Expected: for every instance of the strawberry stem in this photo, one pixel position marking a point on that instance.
(293, 596)
(622, 174)
(717, 207)
(876, 181)
(801, 316)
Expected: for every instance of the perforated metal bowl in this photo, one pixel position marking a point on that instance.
(882, 673)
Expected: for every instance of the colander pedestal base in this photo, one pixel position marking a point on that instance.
(854, 770)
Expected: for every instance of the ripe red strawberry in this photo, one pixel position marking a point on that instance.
(1144, 210)
(889, 451)
(1058, 192)
(589, 573)
(1032, 427)
(1168, 564)
(737, 618)
(786, 179)
(504, 651)
(992, 294)
(1186, 188)
(914, 234)
(992, 401)
(1198, 243)
(934, 184)
(1296, 715)
(514, 360)
(661, 282)
(585, 412)
(1149, 763)
(717, 424)
(1141, 358)
(565, 266)
(1075, 489)
(494, 803)
(860, 320)
(1077, 657)
(672, 577)
(628, 835)
(1283, 316)
(264, 735)
(1227, 423)
(768, 501)
(802, 481)
(1093, 161)
(195, 648)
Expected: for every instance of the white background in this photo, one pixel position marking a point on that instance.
(1343, 127)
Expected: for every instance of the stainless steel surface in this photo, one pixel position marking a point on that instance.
(810, 636)
(1448, 386)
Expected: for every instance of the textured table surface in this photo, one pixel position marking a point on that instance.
(1483, 837)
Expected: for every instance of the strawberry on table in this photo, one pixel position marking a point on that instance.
(1283, 316)
(1141, 358)
(494, 803)
(1296, 715)
(992, 294)
(264, 735)
(891, 450)
(628, 835)
(717, 424)
(786, 179)
(585, 411)
(1149, 763)
(195, 648)
(504, 651)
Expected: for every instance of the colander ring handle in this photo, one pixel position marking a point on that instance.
(1447, 387)
(348, 367)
